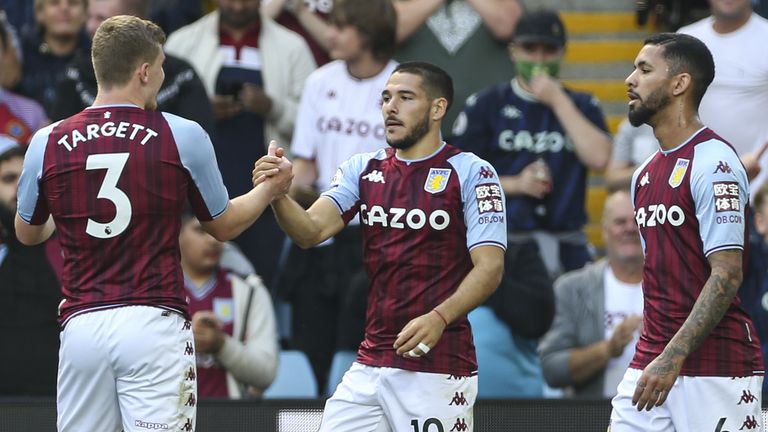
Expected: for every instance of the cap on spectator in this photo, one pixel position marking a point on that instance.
(542, 26)
(7, 144)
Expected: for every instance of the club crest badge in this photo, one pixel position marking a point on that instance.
(676, 178)
(437, 180)
(223, 308)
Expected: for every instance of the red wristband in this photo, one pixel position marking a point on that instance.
(441, 316)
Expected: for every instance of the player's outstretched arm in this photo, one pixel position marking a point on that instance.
(310, 227)
(476, 287)
(715, 298)
(31, 235)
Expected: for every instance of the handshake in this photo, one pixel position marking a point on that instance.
(274, 171)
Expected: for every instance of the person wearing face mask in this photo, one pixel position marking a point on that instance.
(542, 138)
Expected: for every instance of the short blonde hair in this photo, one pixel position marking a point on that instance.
(120, 45)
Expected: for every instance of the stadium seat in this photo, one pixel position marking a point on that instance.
(294, 380)
(503, 370)
(342, 361)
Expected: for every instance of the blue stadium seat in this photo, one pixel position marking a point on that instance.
(294, 380)
(508, 365)
(342, 361)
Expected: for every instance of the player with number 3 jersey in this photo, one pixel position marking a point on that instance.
(115, 178)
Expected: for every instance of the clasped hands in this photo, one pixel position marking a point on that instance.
(274, 170)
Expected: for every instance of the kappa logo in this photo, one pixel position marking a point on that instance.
(375, 176)
(749, 423)
(747, 397)
(646, 179)
(486, 172)
(190, 376)
(187, 325)
(460, 425)
(189, 350)
(511, 112)
(722, 167)
(458, 399)
(191, 400)
(187, 426)
(150, 425)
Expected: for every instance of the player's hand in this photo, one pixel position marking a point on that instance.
(546, 88)
(655, 383)
(425, 329)
(255, 100)
(535, 180)
(623, 334)
(268, 165)
(209, 336)
(225, 106)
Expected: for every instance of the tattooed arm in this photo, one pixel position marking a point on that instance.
(714, 300)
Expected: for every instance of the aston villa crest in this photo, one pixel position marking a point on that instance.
(676, 178)
(437, 180)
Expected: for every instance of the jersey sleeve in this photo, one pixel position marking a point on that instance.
(720, 191)
(483, 202)
(345, 186)
(207, 195)
(31, 204)
(472, 131)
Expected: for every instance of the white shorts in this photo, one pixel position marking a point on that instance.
(380, 399)
(129, 368)
(705, 404)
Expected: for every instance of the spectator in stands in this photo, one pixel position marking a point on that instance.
(10, 61)
(339, 116)
(232, 319)
(309, 18)
(20, 117)
(542, 139)
(736, 36)
(754, 289)
(599, 311)
(182, 92)
(467, 38)
(20, 15)
(29, 296)
(46, 53)
(631, 147)
(172, 15)
(253, 71)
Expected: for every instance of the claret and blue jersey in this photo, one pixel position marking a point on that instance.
(420, 220)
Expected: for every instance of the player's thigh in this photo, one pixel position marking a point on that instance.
(86, 398)
(354, 406)
(156, 374)
(733, 404)
(626, 418)
(428, 402)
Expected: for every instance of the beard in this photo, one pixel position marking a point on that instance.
(639, 115)
(417, 133)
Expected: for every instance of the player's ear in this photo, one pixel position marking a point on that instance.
(144, 73)
(439, 108)
(681, 83)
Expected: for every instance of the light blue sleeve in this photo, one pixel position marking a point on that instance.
(345, 186)
(720, 192)
(483, 201)
(28, 195)
(198, 158)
